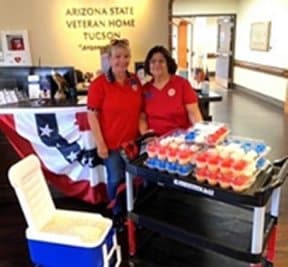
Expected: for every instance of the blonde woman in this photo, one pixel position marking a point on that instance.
(114, 106)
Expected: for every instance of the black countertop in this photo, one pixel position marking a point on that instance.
(42, 103)
(49, 103)
(211, 97)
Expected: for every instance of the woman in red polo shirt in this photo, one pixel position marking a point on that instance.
(114, 104)
(169, 100)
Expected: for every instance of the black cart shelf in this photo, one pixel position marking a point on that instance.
(159, 251)
(234, 224)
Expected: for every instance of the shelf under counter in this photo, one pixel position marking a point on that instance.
(200, 222)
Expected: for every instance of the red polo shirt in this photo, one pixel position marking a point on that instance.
(119, 108)
(165, 109)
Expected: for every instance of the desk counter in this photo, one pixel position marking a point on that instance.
(59, 134)
(60, 130)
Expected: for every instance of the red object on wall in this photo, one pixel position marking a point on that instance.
(17, 43)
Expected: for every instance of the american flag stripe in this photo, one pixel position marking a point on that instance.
(66, 149)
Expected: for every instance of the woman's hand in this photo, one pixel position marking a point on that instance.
(101, 146)
(102, 151)
(150, 136)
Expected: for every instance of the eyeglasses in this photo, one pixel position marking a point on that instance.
(115, 42)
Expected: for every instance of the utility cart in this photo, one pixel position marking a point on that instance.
(221, 226)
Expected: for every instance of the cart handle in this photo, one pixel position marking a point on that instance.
(139, 141)
(130, 150)
(281, 176)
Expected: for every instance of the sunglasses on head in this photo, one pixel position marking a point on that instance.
(119, 41)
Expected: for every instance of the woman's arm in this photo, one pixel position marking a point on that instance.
(93, 120)
(194, 113)
(143, 126)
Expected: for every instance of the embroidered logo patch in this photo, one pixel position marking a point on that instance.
(148, 95)
(133, 84)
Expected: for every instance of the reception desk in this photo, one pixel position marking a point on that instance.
(59, 134)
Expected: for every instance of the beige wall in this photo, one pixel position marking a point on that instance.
(197, 7)
(56, 44)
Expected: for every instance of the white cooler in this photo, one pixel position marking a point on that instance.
(60, 238)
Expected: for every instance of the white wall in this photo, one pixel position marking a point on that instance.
(192, 7)
(57, 44)
(211, 41)
(201, 39)
(262, 83)
(205, 40)
(251, 11)
(205, 7)
(211, 34)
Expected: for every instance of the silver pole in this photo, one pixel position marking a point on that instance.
(258, 230)
(275, 203)
(129, 191)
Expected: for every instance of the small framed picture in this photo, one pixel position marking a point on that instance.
(15, 42)
(260, 36)
(15, 48)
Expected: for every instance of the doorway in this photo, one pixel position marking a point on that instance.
(207, 43)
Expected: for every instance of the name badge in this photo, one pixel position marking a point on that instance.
(171, 92)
